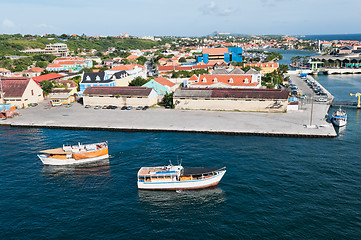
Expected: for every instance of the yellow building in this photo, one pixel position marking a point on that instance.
(61, 99)
(265, 67)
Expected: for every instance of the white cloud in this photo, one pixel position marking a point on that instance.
(213, 9)
(8, 23)
(209, 9)
(226, 11)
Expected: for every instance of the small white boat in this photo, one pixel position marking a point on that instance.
(339, 118)
(176, 177)
(75, 154)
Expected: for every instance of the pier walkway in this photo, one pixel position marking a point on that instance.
(290, 124)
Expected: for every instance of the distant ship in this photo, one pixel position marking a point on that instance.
(76, 154)
(339, 118)
(176, 177)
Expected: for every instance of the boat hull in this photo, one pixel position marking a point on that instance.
(338, 122)
(90, 154)
(177, 185)
(69, 161)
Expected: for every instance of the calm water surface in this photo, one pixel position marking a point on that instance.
(274, 188)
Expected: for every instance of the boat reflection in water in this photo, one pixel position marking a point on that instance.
(211, 195)
(99, 168)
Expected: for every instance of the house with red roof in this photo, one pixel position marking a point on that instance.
(33, 72)
(265, 67)
(134, 70)
(48, 77)
(21, 91)
(224, 81)
(161, 85)
(5, 72)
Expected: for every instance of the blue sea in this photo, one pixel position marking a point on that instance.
(330, 37)
(274, 188)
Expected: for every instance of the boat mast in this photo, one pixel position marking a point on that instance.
(312, 99)
(2, 94)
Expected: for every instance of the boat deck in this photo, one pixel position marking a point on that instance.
(200, 170)
(153, 170)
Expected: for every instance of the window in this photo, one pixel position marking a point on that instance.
(32, 92)
(215, 80)
(230, 80)
(204, 80)
(246, 80)
(97, 78)
(87, 79)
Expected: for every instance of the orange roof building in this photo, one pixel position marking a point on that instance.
(224, 81)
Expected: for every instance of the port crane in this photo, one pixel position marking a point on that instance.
(358, 95)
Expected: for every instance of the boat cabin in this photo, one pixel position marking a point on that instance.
(176, 173)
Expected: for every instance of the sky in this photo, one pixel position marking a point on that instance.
(180, 17)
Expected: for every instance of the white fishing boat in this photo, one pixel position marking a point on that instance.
(176, 177)
(339, 118)
(75, 154)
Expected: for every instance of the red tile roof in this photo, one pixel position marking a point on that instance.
(132, 57)
(165, 68)
(232, 80)
(14, 87)
(54, 65)
(49, 77)
(123, 91)
(126, 67)
(262, 65)
(4, 70)
(164, 81)
(35, 69)
(193, 78)
(201, 66)
(183, 68)
(232, 93)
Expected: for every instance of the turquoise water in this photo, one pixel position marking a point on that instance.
(288, 54)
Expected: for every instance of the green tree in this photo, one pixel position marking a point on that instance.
(245, 69)
(46, 86)
(168, 100)
(282, 69)
(41, 64)
(141, 60)
(138, 81)
(182, 59)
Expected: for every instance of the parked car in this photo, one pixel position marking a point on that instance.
(139, 108)
(105, 107)
(97, 107)
(87, 106)
(322, 93)
(54, 104)
(113, 107)
(34, 104)
(145, 108)
(321, 100)
(303, 96)
(129, 108)
(124, 108)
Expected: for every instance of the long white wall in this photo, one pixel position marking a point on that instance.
(229, 105)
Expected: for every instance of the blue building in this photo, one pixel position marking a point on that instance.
(221, 54)
(92, 79)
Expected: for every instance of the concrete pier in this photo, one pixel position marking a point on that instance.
(290, 124)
